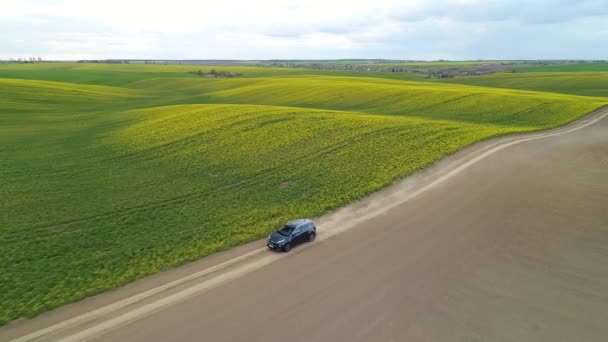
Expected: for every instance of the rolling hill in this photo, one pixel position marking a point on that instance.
(577, 83)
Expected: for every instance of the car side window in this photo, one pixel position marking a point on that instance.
(297, 231)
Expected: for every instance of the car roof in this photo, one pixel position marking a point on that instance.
(297, 222)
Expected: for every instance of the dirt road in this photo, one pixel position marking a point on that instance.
(511, 246)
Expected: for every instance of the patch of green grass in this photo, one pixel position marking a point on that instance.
(578, 83)
(103, 184)
(124, 74)
(566, 67)
(442, 65)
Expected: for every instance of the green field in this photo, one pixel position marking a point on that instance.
(578, 83)
(443, 65)
(114, 172)
(566, 67)
(122, 74)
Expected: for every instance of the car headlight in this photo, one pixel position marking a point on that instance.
(282, 240)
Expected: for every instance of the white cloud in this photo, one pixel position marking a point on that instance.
(263, 29)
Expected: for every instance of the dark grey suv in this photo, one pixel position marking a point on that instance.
(293, 233)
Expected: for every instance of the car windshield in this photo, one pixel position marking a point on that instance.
(286, 230)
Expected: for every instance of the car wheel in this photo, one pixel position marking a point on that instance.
(311, 237)
(287, 247)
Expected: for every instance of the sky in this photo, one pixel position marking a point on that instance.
(314, 29)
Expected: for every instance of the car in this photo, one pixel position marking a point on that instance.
(292, 234)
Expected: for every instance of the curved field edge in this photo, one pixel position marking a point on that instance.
(387, 97)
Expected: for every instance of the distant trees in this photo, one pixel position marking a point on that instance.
(214, 73)
(22, 60)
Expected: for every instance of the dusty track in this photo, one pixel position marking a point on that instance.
(512, 249)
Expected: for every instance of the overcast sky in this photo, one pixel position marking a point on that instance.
(313, 29)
